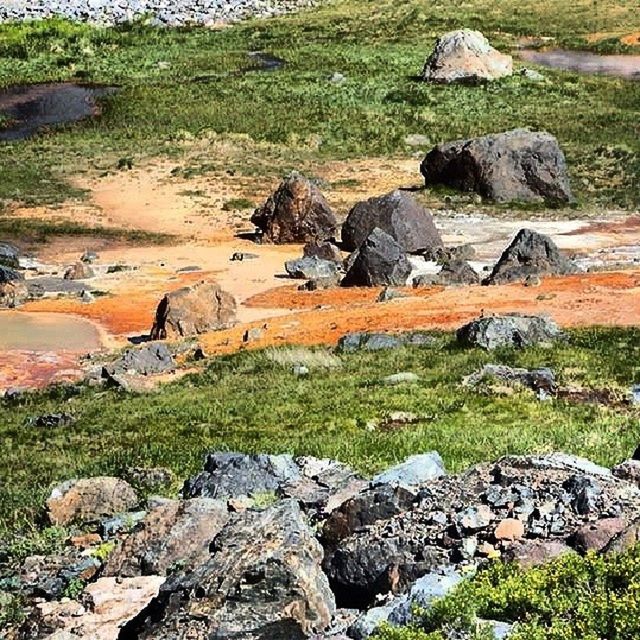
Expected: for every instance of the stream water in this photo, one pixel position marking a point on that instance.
(585, 62)
(21, 330)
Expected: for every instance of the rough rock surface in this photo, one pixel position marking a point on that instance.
(89, 499)
(194, 310)
(323, 250)
(246, 589)
(453, 272)
(296, 212)
(542, 381)
(454, 520)
(465, 56)
(508, 331)
(398, 215)
(318, 484)
(413, 472)
(312, 268)
(176, 533)
(517, 165)
(529, 254)
(109, 603)
(380, 260)
(147, 360)
(364, 341)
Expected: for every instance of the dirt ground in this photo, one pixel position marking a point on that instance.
(206, 235)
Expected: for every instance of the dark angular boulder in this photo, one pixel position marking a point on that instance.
(397, 214)
(517, 165)
(262, 580)
(379, 261)
(9, 255)
(296, 212)
(508, 331)
(529, 254)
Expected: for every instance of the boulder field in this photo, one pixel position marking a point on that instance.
(273, 546)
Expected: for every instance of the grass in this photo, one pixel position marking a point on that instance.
(252, 402)
(179, 86)
(569, 598)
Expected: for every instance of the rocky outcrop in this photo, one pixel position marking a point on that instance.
(176, 533)
(456, 521)
(517, 165)
(296, 212)
(89, 500)
(453, 272)
(529, 254)
(247, 589)
(398, 215)
(508, 331)
(194, 310)
(380, 260)
(465, 56)
(150, 359)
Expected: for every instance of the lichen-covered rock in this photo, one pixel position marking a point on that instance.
(398, 215)
(529, 254)
(465, 56)
(296, 212)
(517, 165)
(380, 260)
(508, 331)
(176, 533)
(89, 499)
(194, 310)
(150, 359)
(263, 580)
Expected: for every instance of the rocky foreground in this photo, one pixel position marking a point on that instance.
(276, 547)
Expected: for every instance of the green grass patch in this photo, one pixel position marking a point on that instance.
(570, 598)
(179, 85)
(252, 402)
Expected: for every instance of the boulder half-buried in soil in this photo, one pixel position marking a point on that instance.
(517, 165)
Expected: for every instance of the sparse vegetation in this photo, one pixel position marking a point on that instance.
(252, 401)
(165, 106)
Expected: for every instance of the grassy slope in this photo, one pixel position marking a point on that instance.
(250, 403)
(379, 46)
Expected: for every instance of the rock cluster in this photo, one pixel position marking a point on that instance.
(171, 13)
(224, 562)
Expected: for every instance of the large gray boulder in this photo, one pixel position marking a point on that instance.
(517, 165)
(312, 268)
(397, 214)
(413, 472)
(508, 331)
(380, 260)
(296, 212)
(529, 254)
(263, 580)
(465, 56)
